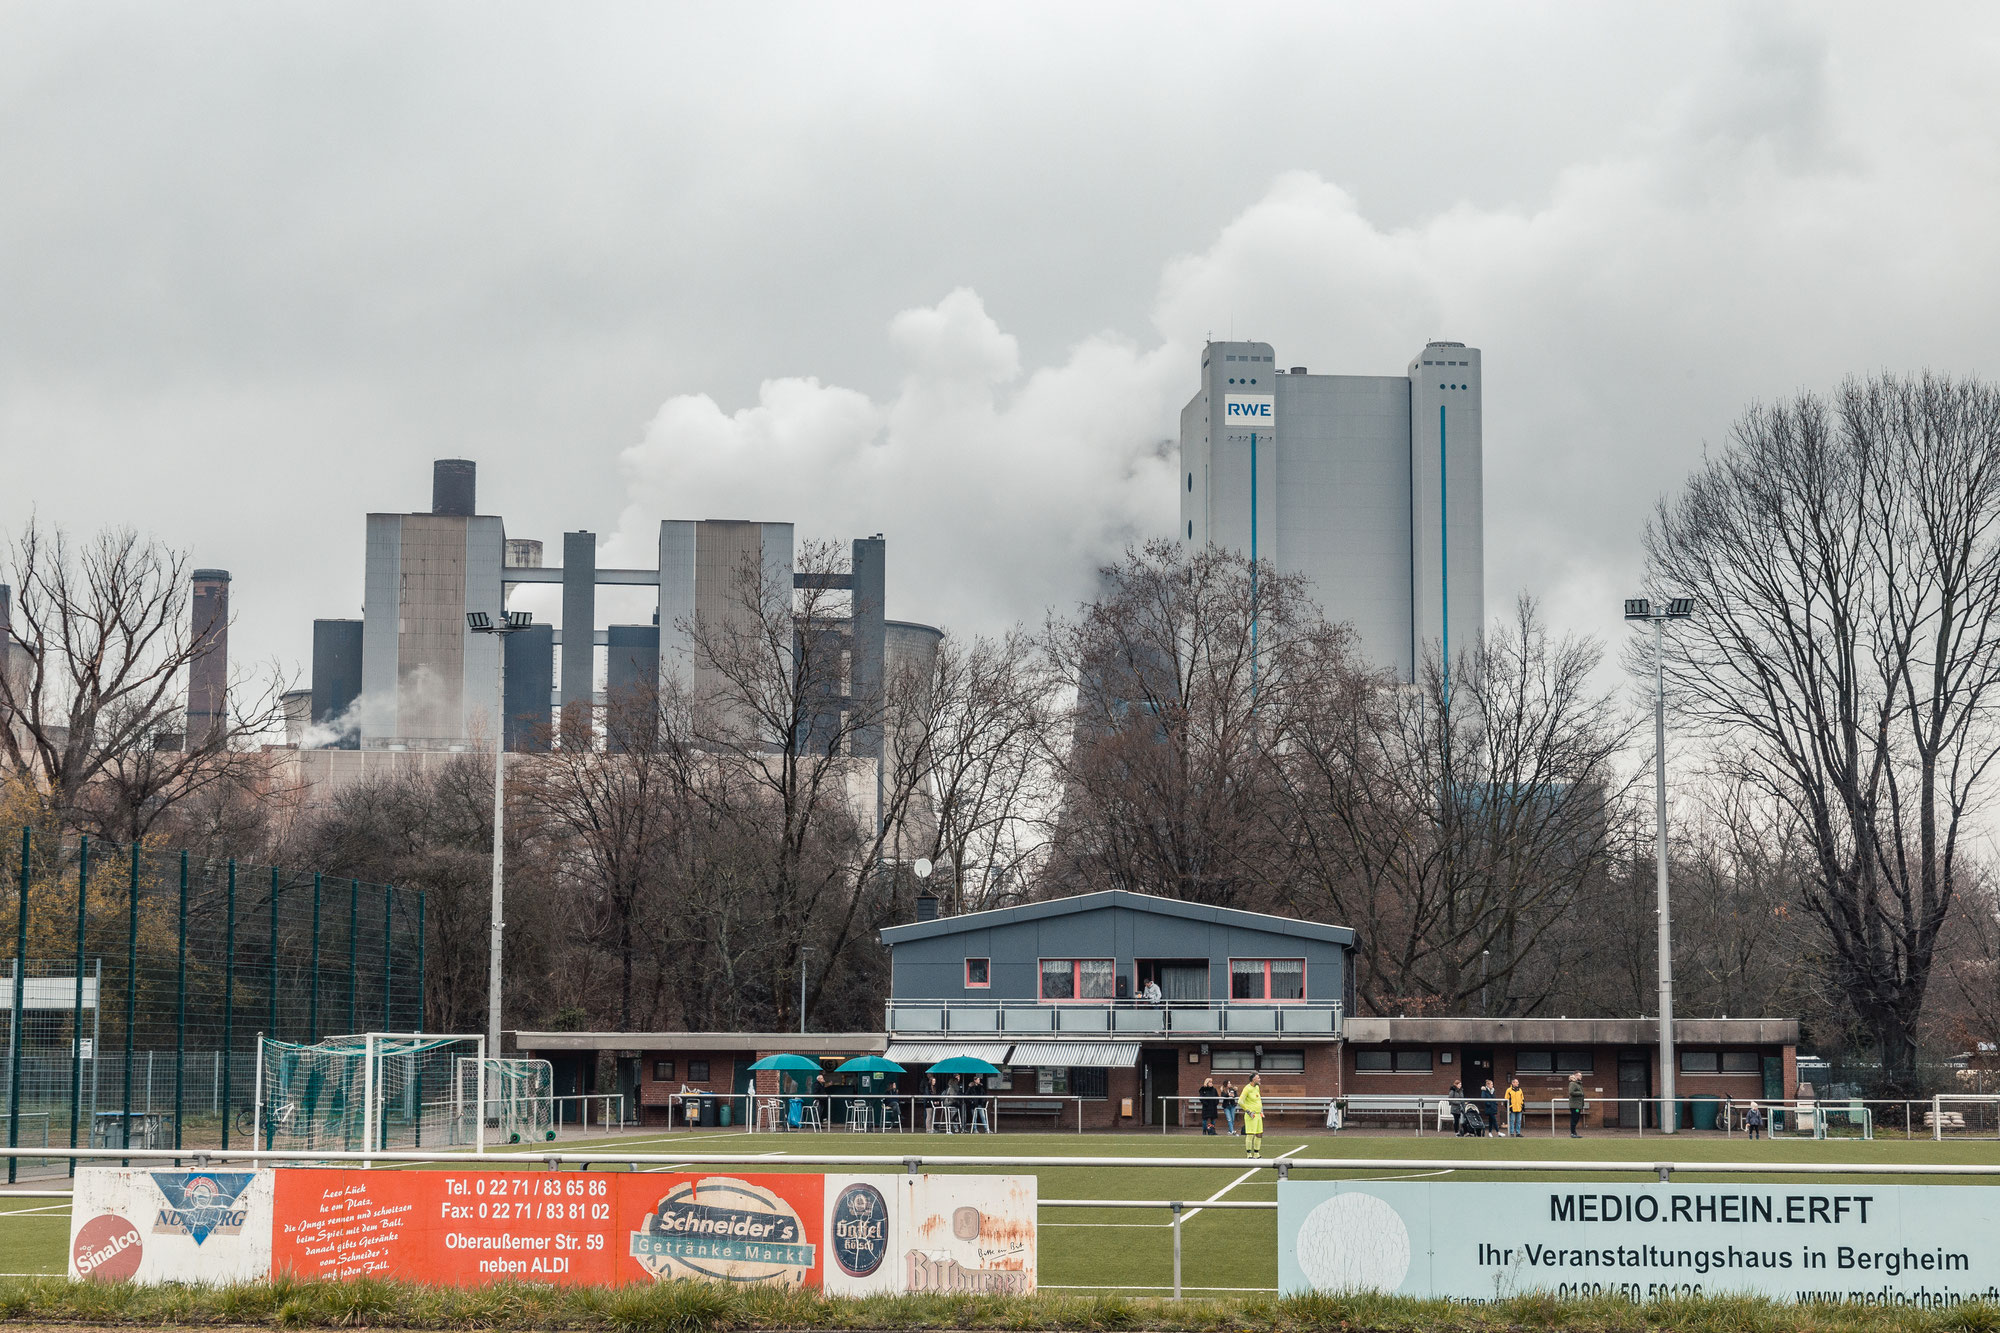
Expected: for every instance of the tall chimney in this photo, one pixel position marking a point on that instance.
(452, 487)
(208, 669)
(927, 906)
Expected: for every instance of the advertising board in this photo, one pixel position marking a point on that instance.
(1250, 410)
(848, 1235)
(170, 1226)
(1928, 1246)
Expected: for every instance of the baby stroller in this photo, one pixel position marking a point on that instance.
(1471, 1122)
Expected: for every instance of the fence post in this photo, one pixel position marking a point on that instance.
(312, 1013)
(420, 961)
(76, 1037)
(14, 1020)
(131, 996)
(388, 954)
(181, 1005)
(353, 926)
(272, 1027)
(228, 998)
(1177, 1248)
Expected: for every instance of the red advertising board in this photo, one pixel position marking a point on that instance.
(470, 1227)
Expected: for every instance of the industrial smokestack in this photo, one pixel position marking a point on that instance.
(452, 487)
(208, 669)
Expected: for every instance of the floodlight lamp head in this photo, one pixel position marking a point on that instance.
(520, 619)
(1638, 608)
(1680, 608)
(479, 622)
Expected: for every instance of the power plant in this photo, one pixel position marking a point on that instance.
(410, 677)
(1371, 486)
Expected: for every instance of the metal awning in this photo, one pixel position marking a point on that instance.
(1072, 1054)
(930, 1052)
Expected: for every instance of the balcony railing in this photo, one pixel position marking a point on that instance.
(1114, 1018)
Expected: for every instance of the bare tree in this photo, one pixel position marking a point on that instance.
(988, 714)
(1847, 558)
(92, 714)
(772, 702)
(1458, 826)
(1180, 672)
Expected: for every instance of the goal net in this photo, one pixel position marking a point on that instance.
(520, 1098)
(370, 1092)
(1964, 1115)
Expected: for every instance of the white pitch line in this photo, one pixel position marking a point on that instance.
(1189, 1217)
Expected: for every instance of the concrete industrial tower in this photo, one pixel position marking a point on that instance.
(1368, 485)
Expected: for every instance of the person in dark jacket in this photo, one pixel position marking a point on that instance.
(1489, 1104)
(1454, 1102)
(1211, 1106)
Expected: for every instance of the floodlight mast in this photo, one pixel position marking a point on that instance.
(510, 622)
(1676, 608)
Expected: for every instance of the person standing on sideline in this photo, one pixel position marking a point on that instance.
(1577, 1103)
(1211, 1104)
(1229, 1104)
(1251, 1099)
(1753, 1121)
(1489, 1106)
(1517, 1106)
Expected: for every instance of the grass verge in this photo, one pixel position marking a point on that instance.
(694, 1307)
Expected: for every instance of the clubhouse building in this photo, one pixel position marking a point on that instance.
(1108, 1011)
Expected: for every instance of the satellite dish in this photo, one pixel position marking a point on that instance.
(922, 867)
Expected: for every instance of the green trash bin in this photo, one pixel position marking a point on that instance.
(728, 1109)
(1704, 1107)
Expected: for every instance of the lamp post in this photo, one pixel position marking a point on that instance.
(1677, 608)
(510, 622)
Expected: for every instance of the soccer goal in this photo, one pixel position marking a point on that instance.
(1964, 1115)
(519, 1095)
(370, 1092)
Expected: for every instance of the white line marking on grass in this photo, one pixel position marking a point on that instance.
(1191, 1216)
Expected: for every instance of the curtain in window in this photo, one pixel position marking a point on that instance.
(1184, 981)
(1058, 980)
(1288, 978)
(1099, 978)
(1246, 979)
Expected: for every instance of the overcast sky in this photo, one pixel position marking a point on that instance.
(940, 271)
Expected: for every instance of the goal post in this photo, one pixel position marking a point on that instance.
(517, 1097)
(366, 1092)
(1965, 1115)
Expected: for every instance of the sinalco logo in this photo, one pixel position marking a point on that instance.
(107, 1248)
(860, 1236)
(201, 1204)
(726, 1229)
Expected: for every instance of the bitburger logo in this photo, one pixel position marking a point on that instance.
(201, 1204)
(107, 1248)
(860, 1236)
(725, 1229)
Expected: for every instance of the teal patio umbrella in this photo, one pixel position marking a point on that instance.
(870, 1064)
(963, 1064)
(790, 1064)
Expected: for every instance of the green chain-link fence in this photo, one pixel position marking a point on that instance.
(135, 982)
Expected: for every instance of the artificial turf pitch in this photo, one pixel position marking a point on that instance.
(1223, 1250)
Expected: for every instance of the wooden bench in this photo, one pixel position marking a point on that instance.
(1049, 1109)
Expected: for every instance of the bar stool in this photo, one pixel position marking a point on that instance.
(980, 1124)
(857, 1117)
(891, 1111)
(771, 1115)
(809, 1114)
